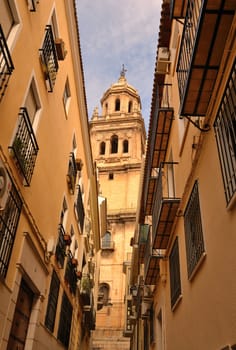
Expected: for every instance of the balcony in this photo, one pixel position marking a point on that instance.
(48, 59)
(72, 173)
(61, 246)
(206, 28)
(128, 331)
(142, 240)
(151, 263)
(89, 318)
(70, 274)
(86, 291)
(158, 142)
(165, 206)
(6, 64)
(24, 148)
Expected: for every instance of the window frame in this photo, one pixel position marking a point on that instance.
(225, 133)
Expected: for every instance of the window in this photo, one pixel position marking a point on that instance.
(114, 144)
(102, 148)
(193, 231)
(125, 146)
(117, 105)
(66, 96)
(9, 218)
(225, 131)
(104, 291)
(175, 283)
(107, 243)
(32, 103)
(111, 176)
(52, 302)
(130, 107)
(8, 16)
(65, 321)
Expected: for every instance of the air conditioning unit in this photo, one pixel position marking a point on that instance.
(60, 48)
(5, 186)
(163, 60)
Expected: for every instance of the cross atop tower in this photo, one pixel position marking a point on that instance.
(123, 71)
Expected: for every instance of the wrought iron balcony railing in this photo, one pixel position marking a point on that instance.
(6, 64)
(86, 290)
(89, 318)
(162, 118)
(61, 246)
(142, 240)
(72, 173)
(24, 148)
(70, 274)
(165, 206)
(49, 60)
(205, 33)
(151, 262)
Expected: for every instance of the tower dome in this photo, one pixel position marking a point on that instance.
(121, 98)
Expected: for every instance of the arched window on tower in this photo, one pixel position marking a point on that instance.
(104, 294)
(117, 104)
(125, 146)
(102, 147)
(106, 240)
(114, 144)
(130, 107)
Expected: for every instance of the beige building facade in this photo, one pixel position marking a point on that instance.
(49, 209)
(118, 143)
(183, 271)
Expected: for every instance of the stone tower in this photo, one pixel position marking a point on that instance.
(118, 143)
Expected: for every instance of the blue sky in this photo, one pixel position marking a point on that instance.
(113, 33)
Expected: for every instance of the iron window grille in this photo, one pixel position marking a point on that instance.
(175, 282)
(6, 64)
(193, 231)
(225, 132)
(49, 60)
(79, 209)
(61, 246)
(52, 302)
(187, 43)
(9, 218)
(70, 274)
(72, 173)
(24, 147)
(65, 321)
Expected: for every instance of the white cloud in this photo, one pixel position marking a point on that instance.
(113, 33)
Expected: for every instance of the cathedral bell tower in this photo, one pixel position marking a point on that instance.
(118, 143)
